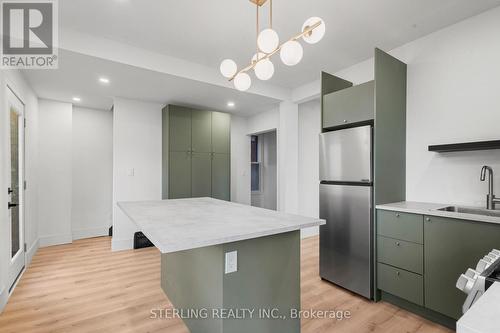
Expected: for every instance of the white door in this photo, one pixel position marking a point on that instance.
(15, 181)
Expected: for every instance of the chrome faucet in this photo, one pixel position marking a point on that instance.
(491, 200)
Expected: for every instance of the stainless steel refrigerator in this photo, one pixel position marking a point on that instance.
(346, 192)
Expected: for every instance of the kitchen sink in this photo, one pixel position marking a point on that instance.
(475, 211)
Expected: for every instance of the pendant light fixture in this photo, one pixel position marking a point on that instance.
(268, 44)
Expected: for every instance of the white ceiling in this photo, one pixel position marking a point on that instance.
(205, 31)
(208, 31)
(78, 75)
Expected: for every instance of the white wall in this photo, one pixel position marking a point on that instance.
(284, 120)
(137, 147)
(452, 97)
(14, 79)
(263, 122)
(55, 169)
(288, 143)
(92, 172)
(240, 160)
(241, 129)
(308, 168)
(76, 172)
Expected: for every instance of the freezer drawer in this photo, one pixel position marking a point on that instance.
(345, 155)
(345, 240)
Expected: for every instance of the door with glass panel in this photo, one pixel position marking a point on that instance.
(15, 182)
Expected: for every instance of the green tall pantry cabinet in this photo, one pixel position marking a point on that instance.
(196, 153)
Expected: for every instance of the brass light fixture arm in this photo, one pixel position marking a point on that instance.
(307, 31)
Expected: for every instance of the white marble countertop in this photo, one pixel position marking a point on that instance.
(484, 315)
(184, 224)
(431, 209)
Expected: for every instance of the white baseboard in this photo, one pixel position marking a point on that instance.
(4, 294)
(31, 251)
(309, 232)
(122, 244)
(55, 240)
(4, 297)
(91, 232)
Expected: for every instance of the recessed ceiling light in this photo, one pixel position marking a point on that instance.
(230, 104)
(77, 99)
(104, 80)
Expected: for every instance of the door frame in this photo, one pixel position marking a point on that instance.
(17, 263)
(279, 205)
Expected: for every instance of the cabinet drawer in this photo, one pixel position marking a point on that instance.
(399, 253)
(401, 283)
(404, 226)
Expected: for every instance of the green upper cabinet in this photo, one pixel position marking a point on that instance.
(221, 176)
(349, 106)
(179, 128)
(221, 132)
(201, 128)
(451, 247)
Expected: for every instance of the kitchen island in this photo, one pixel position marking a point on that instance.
(226, 267)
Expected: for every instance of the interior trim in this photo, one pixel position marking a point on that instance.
(4, 296)
(32, 251)
(122, 244)
(55, 240)
(90, 232)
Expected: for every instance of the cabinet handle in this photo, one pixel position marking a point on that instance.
(428, 219)
(397, 215)
(398, 243)
(397, 273)
(345, 121)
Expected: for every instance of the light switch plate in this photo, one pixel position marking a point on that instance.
(231, 262)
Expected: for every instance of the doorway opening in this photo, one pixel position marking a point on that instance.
(15, 181)
(264, 170)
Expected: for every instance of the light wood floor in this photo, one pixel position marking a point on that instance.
(84, 287)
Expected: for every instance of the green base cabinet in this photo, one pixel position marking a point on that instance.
(399, 282)
(400, 255)
(419, 259)
(403, 226)
(451, 247)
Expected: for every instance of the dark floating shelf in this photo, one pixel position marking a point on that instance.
(467, 146)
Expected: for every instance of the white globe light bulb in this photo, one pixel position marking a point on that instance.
(242, 81)
(291, 53)
(228, 68)
(264, 70)
(268, 40)
(317, 33)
